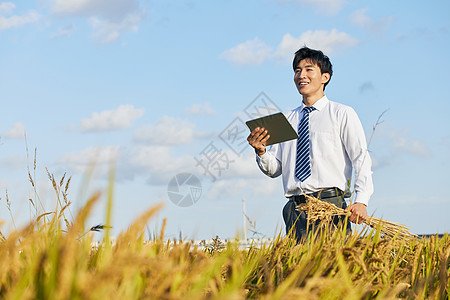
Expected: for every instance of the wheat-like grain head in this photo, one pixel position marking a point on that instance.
(321, 210)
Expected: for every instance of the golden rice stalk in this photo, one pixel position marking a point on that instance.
(320, 210)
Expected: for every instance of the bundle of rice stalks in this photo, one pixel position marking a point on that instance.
(320, 210)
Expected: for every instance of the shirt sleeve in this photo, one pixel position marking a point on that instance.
(354, 140)
(268, 163)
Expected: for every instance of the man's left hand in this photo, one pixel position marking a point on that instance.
(359, 212)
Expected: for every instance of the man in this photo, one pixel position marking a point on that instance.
(331, 144)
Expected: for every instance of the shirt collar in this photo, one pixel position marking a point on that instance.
(319, 105)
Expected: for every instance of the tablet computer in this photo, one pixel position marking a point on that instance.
(277, 126)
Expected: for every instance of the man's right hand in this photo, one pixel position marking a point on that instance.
(258, 139)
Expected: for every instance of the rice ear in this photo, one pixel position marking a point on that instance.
(321, 210)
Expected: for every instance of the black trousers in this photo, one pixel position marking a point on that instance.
(297, 220)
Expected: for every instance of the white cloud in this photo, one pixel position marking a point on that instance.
(153, 162)
(255, 51)
(111, 9)
(106, 31)
(360, 19)
(99, 156)
(248, 53)
(6, 8)
(234, 166)
(111, 119)
(157, 163)
(64, 31)
(399, 142)
(225, 165)
(14, 162)
(16, 132)
(411, 146)
(395, 143)
(73, 6)
(261, 186)
(109, 19)
(327, 7)
(330, 42)
(168, 131)
(200, 109)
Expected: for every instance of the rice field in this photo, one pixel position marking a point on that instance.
(53, 258)
(42, 261)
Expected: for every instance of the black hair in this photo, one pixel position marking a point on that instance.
(317, 57)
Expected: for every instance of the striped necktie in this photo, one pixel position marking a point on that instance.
(302, 164)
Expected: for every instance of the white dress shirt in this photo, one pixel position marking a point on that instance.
(337, 146)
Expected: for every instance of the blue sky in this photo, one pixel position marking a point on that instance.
(152, 85)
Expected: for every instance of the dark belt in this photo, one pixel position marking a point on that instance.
(322, 194)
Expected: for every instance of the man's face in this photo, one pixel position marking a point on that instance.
(309, 79)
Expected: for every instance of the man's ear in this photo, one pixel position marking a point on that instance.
(325, 77)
